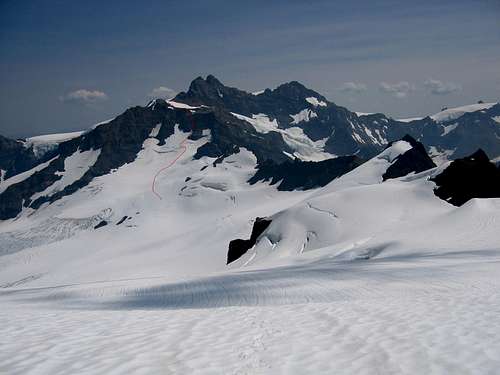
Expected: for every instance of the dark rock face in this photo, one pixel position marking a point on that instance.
(14, 157)
(475, 130)
(101, 224)
(344, 133)
(470, 177)
(289, 98)
(239, 247)
(304, 175)
(229, 134)
(121, 139)
(414, 160)
(11, 200)
(329, 120)
(122, 220)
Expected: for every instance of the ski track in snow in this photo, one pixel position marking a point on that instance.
(184, 149)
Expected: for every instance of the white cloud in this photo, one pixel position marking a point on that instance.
(162, 92)
(437, 87)
(84, 96)
(353, 87)
(399, 89)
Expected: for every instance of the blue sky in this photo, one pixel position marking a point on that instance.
(65, 65)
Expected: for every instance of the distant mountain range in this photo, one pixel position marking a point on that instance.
(300, 140)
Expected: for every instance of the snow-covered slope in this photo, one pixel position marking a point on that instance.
(116, 259)
(303, 147)
(191, 196)
(454, 113)
(386, 268)
(159, 232)
(44, 143)
(359, 216)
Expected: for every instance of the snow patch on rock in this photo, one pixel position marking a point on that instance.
(75, 166)
(24, 175)
(448, 129)
(260, 122)
(315, 102)
(303, 116)
(175, 104)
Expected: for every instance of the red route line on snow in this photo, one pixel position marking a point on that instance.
(184, 149)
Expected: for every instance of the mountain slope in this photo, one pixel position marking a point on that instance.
(14, 158)
(277, 126)
(119, 141)
(455, 132)
(362, 215)
(386, 267)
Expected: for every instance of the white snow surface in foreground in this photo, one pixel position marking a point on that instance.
(359, 277)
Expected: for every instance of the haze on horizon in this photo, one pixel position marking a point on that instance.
(64, 68)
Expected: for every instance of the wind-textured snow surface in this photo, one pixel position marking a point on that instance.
(359, 277)
(406, 315)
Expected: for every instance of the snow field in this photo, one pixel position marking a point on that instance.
(359, 277)
(393, 316)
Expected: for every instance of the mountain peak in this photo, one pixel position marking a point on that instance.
(296, 90)
(209, 91)
(199, 83)
(293, 84)
(479, 155)
(473, 176)
(211, 79)
(414, 160)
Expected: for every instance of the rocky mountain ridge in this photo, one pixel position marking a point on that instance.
(296, 135)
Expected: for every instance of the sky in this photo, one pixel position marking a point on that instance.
(66, 65)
